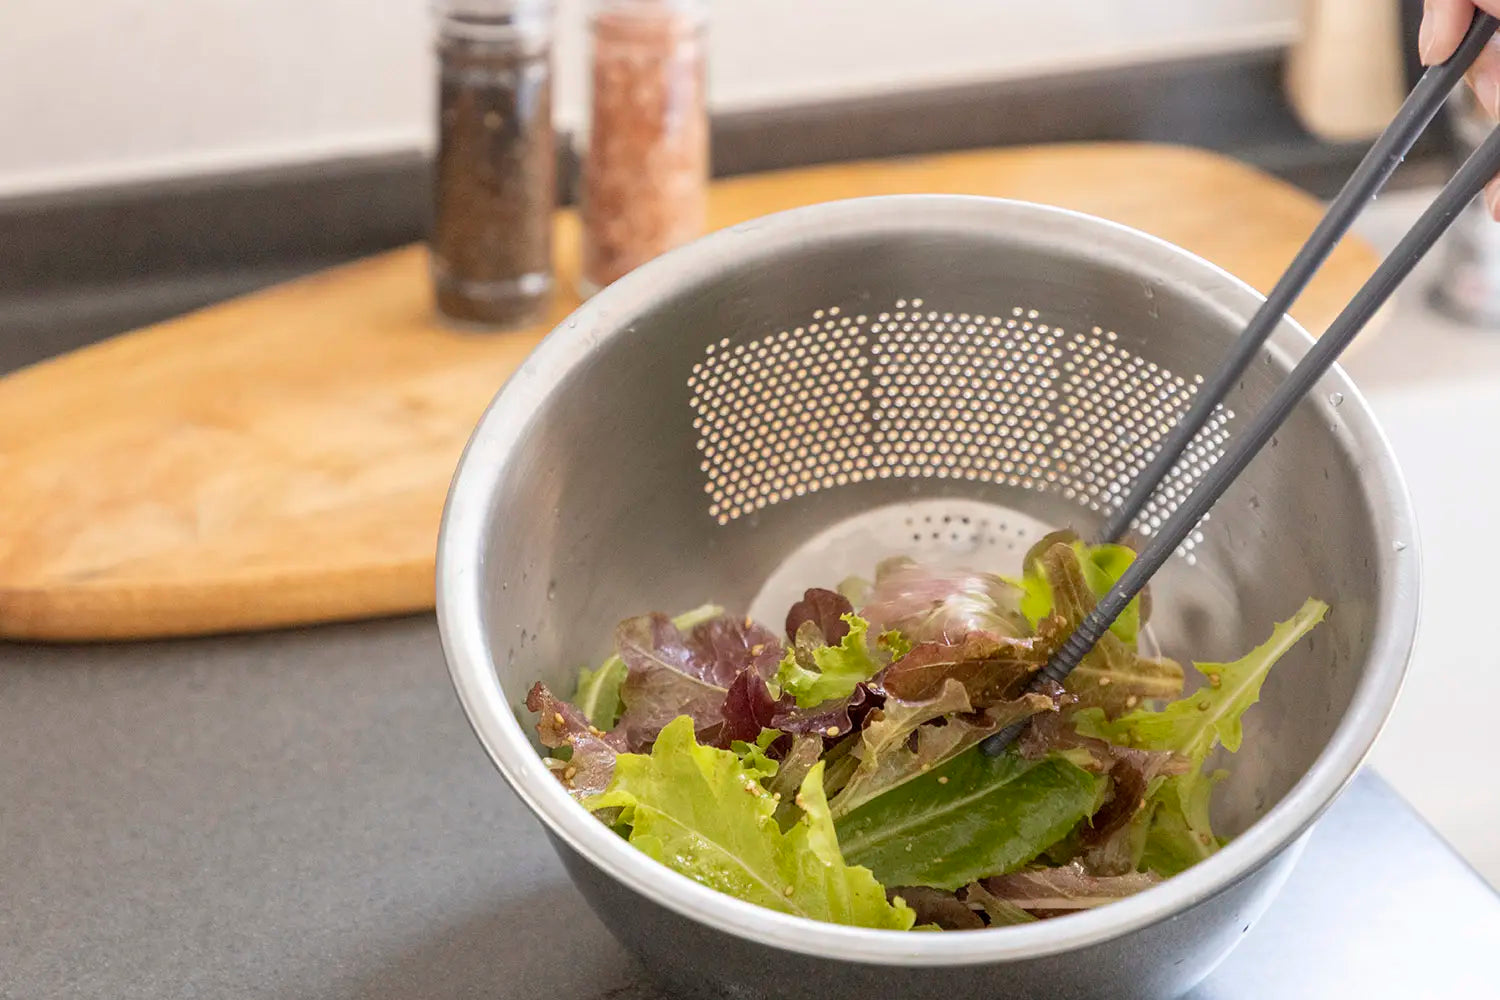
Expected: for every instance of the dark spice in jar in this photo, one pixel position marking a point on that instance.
(491, 239)
(645, 172)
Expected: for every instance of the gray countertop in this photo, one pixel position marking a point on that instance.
(305, 814)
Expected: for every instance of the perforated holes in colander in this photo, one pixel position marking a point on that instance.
(784, 415)
(918, 392)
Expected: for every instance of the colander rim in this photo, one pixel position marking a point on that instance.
(460, 596)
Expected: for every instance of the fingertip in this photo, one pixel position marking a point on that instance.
(1444, 24)
(1492, 199)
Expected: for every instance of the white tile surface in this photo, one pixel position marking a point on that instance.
(1435, 386)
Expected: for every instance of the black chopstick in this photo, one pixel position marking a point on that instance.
(1417, 112)
(1455, 196)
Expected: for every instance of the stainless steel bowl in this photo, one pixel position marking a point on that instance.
(799, 396)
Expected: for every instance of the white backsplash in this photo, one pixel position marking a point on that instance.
(98, 91)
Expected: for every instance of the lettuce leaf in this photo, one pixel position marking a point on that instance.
(906, 739)
(1192, 727)
(826, 610)
(791, 772)
(829, 718)
(755, 757)
(930, 604)
(990, 668)
(1102, 566)
(937, 908)
(598, 691)
(813, 673)
(1133, 774)
(701, 812)
(1065, 889)
(1112, 676)
(1001, 912)
(672, 673)
(1180, 835)
(748, 708)
(592, 753)
(973, 817)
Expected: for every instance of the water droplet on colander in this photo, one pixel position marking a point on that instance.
(551, 590)
(1399, 546)
(572, 323)
(1150, 292)
(1254, 503)
(1335, 399)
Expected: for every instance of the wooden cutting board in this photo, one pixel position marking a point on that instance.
(283, 458)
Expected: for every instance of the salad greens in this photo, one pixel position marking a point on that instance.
(833, 771)
(705, 812)
(815, 672)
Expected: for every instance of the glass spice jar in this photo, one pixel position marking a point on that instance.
(644, 183)
(496, 171)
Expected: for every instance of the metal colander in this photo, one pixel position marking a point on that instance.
(919, 392)
(789, 401)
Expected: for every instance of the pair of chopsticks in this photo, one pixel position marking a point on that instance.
(1421, 106)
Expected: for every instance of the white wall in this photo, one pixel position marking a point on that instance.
(96, 91)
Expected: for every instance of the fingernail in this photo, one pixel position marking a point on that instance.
(1424, 37)
(1492, 201)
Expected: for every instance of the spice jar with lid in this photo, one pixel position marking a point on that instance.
(644, 184)
(496, 170)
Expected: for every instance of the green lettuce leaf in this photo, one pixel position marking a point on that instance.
(974, 817)
(701, 812)
(887, 756)
(791, 772)
(1214, 713)
(754, 757)
(1179, 835)
(1101, 565)
(1192, 727)
(1112, 676)
(598, 691)
(813, 674)
(1002, 912)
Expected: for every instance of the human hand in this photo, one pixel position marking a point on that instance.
(1444, 24)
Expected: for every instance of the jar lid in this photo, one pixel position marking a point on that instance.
(696, 9)
(481, 19)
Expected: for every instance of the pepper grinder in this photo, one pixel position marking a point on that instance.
(496, 170)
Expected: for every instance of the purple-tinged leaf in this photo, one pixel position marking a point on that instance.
(726, 647)
(672, 674)
(1065, 889)
(936, 907)
(748, 708)
(823, 608)
(930, 604)
(831, 719)
(561, 724)
(1114, 838)
(990, 668)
